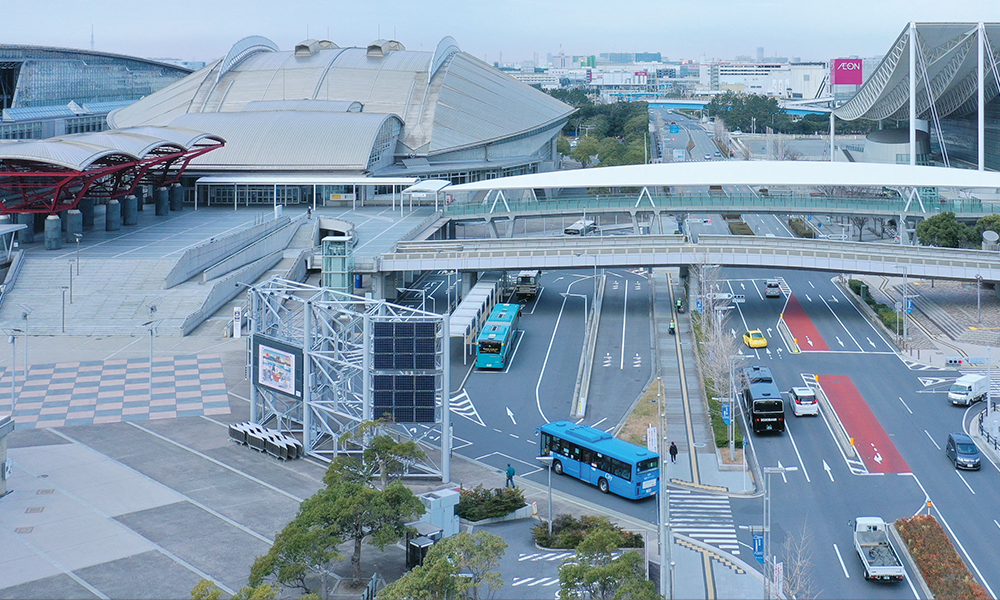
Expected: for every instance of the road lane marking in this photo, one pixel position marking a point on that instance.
(555, 329)
(827, 304)
(995, 523)
(932, 439)
(597, 423)
(510, 361)
(826, 468)
(811, 285)
(624, 314)
(796, 447)
(965, 482)
(841, 559)
(511, 415)
(904, 404)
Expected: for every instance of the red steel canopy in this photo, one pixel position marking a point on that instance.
(53, 175)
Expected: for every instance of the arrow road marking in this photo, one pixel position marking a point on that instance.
(826, 468)
(878, 455)
(809, 340)
(834, 299)
(743, 285)
(811, 285)
(839, 342)
(808, 298)
(511, 415)
(870, 341)
(769, 333)
(779, 352)
(734, 332)
(781, 466)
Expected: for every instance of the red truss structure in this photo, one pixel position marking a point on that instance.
(34, 185)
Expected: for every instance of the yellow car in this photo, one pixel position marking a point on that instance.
(755, 339)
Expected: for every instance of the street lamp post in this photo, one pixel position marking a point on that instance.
(13, 368)
(548, 461)
(25, 311)
(63, 288)
(768, 558)
(979, 310)
(78, 237)
(71, 282)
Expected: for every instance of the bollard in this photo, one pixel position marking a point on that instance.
(26, 235)
(86, 207)
(176, 197)
(130, 215)
(113, 216)
(74, 224)
(162, 201)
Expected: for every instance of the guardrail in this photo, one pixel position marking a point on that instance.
(720, 202)
(645, 251)
(990, 439)
(10, 279)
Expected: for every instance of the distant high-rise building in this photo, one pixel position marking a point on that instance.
(648, 57)
(760, 53)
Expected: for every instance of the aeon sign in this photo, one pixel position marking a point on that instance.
(847, 71)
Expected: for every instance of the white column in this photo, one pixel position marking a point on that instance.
(832, 147)
(913, 93)
(981, 129)
(307, 435)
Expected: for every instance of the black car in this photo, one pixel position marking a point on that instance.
(962, 451)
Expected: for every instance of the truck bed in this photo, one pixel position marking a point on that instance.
(876, 549)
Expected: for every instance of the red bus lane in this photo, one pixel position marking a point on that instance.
(805, 333)
(870, 440)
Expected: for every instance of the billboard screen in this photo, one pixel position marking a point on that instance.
(847, 71)
(278, 366)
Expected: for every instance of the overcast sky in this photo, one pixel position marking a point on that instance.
(205, 29)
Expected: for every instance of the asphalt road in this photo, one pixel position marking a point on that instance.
(903, 412)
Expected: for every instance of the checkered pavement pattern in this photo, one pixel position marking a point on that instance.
(111, 391)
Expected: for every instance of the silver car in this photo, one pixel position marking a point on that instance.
(803, 401)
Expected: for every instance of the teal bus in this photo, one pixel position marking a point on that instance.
(496, 341)
(613, 465)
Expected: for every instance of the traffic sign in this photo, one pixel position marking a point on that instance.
(699, 305)
(739, 298)
(726, 413)
(758, 547)
(909, 306)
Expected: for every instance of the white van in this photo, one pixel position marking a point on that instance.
(803, 401)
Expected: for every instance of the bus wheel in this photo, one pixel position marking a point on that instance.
(557, 467)
(602, 484)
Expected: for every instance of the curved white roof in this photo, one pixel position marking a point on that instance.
(446, 99)
(288, 140)
(784, 173)
(78, 151)
(947, 57)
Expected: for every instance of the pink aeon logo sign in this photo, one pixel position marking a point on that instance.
(847, 71)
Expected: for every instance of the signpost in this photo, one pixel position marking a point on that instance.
(909, 306)
(699, 305)
(726, 413)
(651, 439)
(758, 547)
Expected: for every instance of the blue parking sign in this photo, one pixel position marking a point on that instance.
(758, 547)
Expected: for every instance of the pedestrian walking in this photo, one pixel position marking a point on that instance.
(673, 452)
(510, 476)
(309, 212)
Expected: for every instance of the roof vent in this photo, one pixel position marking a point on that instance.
(307, 48)
(380, 48)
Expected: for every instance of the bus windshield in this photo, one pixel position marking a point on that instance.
(645, 466)
(489, 347)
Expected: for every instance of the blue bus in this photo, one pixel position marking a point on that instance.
(600, 459)
(496, 341)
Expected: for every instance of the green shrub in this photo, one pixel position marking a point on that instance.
(801, 229)
(855, 285)
(480, 503)
(943, 569)
(739, 228)
(568, 532)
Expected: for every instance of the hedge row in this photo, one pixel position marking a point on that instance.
(739, 228)
(939, 563)
(568, 532)
(480, 503)
(801, 229)
(886, 313)
(720, 430)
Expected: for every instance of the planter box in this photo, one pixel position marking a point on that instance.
(525, 512)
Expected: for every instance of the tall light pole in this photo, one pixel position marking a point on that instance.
(25, 311)
(13, 367)
(71, 282)
(768, 558)
(78, 237)
(548, 461)
(979, 308)
(63, 288)
(151, 324)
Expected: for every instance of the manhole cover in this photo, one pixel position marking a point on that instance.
(34, 509)
(44, 492)
(699, 444)
(24, 530)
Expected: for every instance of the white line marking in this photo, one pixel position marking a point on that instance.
(795, 446)
(555, 329)
(597, 423)
(965, 482)
(826, 468)
(904, 404)
(624, 314)
(932, 440)
(995, 523)
(841, 559)
(522, 582)
(841, 324)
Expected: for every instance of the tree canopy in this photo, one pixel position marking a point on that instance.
(461, 566)
(595, 571)
(942, 230)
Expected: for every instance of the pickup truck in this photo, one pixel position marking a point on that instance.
(878, 557)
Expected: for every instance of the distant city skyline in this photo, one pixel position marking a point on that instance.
(517, 30)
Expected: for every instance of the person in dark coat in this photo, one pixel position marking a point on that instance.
(673, 452)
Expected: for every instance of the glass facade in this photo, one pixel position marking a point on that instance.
(961, 137)
(20, 131)
(86, 124)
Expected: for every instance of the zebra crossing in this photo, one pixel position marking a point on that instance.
(545, 556)
(534, 581)
(705, 517)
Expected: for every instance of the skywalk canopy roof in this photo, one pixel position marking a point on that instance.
(782, 173)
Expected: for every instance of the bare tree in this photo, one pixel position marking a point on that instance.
(798, 566)
(720, 346)
(860, 223)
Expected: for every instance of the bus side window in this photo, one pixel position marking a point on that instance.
(603, 463)
(586, 456)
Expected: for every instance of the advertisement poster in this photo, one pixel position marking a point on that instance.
(847, 71)
(277, 369)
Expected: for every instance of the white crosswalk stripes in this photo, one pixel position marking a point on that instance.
(532, 581)
(546, 556)
(705, 517)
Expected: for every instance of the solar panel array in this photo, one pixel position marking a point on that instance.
(409, 346)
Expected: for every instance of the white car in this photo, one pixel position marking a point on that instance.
(803, 401)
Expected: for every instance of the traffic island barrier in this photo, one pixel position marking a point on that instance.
(839, 431)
